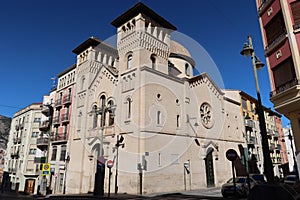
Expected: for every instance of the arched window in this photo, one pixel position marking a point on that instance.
(178, 121)
(187, 69)
(95, 116)
(102, 112)
(153, 61)
(111, 111)
(129, 102)
(158, 117)
(129, 61)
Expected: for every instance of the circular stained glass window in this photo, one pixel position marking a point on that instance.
(206, 115)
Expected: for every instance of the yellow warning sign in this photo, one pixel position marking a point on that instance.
(46, 169)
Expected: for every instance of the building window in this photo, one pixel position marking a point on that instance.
(37, 120)
(54, 152)
(95, 116)
(244, 104)
(296, 11)
(153, 61)
(159, 159)
(187, 69)
(129, 107)
(103, 101)
(63, 153)
(178, 121)
(129, 61)
(34, 134)
(206, 115)
(275, 28)
(111, 116)
(284, 74)
(158, 117)
(32, 151)
(61, 182)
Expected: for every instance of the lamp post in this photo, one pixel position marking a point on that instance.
(247, 51)
(119, 143)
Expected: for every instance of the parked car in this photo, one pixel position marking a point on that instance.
(290, 180)
(259, 178)
(242, 189)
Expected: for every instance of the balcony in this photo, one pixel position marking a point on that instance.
(44, 125)
(58, 103)
(272, 147)
(67, 99)
(249, 123)
(59, 137)
(284, 87)
(14, 155)
(46, 111)
(42, 143)
(263, 6)
(65, 118)
(22, 125)
(277, 42)
(56, 121)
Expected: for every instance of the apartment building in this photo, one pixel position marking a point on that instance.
(21, 151)
(252, 135)
(279, 22)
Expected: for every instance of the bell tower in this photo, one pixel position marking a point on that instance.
(143, 39)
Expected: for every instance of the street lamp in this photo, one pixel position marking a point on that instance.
(119, 143)
(247, 51)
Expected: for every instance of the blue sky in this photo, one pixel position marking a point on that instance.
(37, 38)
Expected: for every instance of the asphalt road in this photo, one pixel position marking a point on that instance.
(14, 196)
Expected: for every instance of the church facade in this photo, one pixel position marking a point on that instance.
(141, 106)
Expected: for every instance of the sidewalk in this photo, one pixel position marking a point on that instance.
(209, 192)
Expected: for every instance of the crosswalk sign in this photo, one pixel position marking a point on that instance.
(46, 169)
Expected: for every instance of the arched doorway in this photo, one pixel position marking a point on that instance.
(209, 168)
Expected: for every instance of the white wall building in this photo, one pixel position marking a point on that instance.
(21, 149)
(145, 91)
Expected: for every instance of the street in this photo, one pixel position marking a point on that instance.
(15, 196)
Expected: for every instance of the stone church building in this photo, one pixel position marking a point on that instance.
(141, 106)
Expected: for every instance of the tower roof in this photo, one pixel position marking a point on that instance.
(143, 9)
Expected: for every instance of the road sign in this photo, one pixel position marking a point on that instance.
(46, 169)
(110, 163)
(231, 154)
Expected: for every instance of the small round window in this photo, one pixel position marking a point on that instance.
(206, 115)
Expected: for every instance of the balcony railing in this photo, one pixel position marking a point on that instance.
(59, 137)
(67, 99)
(42, 141)
(276, 42)
(44, 125)
(65, 118)
(58, 103)
(252, 140)
(46, 111)
(284, 87)
(263, 6)
(56, 120)
(249, 123)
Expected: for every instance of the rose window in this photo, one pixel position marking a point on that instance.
(206, 115)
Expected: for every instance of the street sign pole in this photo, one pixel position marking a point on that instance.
(231, 155)
(110, 164)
